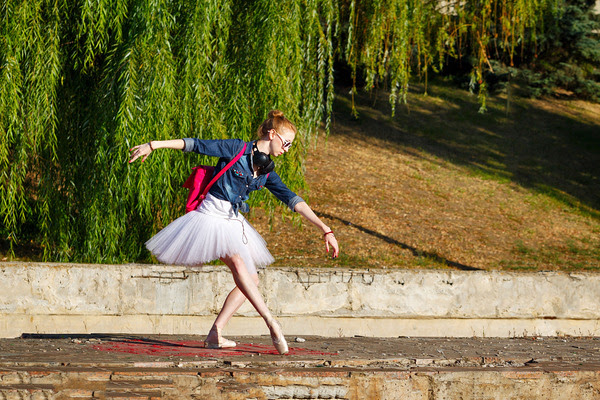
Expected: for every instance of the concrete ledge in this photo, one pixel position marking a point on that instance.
(15, 325)
(82, 298)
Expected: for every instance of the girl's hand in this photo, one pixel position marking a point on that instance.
(141, 150)
(330, 240)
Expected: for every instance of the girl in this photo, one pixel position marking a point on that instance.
(216, 229)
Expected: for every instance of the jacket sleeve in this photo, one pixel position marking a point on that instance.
(281, 191)
(228, 148)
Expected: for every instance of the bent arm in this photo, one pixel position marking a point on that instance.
(176, 144)
(303, 209)
(144, 150)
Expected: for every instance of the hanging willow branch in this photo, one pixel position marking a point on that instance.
(394, 39)
(82, 81)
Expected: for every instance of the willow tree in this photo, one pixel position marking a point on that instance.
(81, 81)
(394, 40)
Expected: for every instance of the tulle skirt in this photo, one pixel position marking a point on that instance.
(209, 233)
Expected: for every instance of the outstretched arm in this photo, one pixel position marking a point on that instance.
(303, 209)
(144, 150)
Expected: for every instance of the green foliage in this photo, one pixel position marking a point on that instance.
(391, 40)
(568, 53)
(83, 81)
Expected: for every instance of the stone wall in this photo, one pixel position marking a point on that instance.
(81, 298)
(286, 384)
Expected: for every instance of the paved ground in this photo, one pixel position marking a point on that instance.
(187, 351)
(111, 367)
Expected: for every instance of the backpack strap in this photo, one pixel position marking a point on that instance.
(221, 172)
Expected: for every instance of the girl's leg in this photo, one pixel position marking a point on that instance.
(233, 302)
(249, 289)
(247, 286)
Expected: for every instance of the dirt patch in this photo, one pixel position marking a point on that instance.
(440, 186)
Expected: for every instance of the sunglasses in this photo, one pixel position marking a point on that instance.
(286, 143)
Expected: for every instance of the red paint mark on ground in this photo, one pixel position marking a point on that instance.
(168, 348)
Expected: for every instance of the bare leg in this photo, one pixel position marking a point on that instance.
(244, 282)
(233, 302)
(247, 286)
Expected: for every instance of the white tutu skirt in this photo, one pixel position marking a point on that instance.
(209, 233)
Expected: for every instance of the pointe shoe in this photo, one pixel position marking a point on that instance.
(220, 343)
(278, 339)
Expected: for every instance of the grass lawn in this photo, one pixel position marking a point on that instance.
(441, 186)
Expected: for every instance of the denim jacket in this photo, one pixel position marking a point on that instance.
(238, 181)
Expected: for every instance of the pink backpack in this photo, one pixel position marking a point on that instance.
(199, 182)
